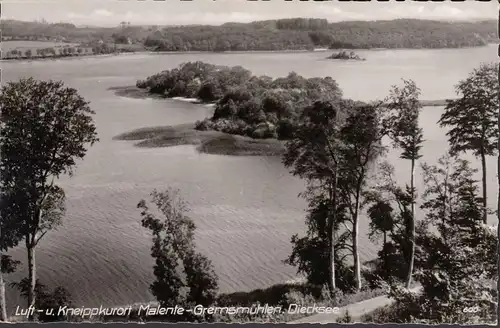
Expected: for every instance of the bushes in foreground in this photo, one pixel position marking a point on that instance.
(47, 301)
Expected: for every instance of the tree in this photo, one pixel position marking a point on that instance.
(46, 301)
(472, 118)
(457, 258)
(208, 92)
(361, 144)
(8, 265)
(183, 276)
(312, 155)
(390, 214)
(314, 253)
(8, 238)
(120, 38)
(45, 128)
(332, 149)
(404, 106)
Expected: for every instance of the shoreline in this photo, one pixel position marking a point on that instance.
(235, 52)
(131, 91)
(304, 50)
(207, 142)
(75, 57)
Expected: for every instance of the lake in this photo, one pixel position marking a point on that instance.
(246, 208)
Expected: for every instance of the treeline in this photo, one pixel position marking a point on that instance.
(282, 34)
(306, 34)
(45, 52)
(58, 52)
(42, 31)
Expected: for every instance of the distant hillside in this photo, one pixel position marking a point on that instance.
(37, 31)
(282, 34)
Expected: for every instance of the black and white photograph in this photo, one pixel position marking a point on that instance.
(241, 161)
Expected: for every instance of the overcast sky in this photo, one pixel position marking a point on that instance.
(176, 12)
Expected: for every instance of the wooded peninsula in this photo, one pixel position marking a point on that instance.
(292, 34)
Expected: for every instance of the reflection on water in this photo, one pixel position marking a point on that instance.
(246, 208)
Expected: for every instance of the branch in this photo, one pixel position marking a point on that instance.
(344, 245)
(36, 240)
(347, 228)
(343, 257)
(47, 193)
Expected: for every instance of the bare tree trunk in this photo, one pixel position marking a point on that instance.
(31, 274)
(355, 246)
(412, 226)
(386, 262)
(333, 285)
(485, 191)
(3, 313)
(331, 232)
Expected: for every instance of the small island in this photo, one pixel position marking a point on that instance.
(344, 55)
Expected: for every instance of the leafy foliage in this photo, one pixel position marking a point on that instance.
(46, 300)
(389, 214)
(344, 55)
(333, 148)
(402, 120)
(259, 107)
(312, 155)
(44, 130)
(402, 123)
(361, 145)
(457, 255)
(184, 277)
(473, 118)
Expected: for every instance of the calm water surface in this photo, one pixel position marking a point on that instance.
(246, 208)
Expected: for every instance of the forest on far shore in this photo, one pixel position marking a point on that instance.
(269, 35)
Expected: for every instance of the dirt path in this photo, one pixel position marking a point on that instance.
(356, 310)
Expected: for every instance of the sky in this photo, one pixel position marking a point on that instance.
(215, 12)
